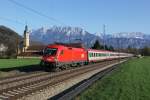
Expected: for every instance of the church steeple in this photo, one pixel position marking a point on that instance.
(26, 37)
(26, 29)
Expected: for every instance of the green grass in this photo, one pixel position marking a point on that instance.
(130, 82)
(10, 63)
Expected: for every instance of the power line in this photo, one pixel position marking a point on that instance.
(36, 12)
(104, 31)
(11, 20)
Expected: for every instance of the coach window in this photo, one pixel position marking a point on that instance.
(99, 54)
(90, 54)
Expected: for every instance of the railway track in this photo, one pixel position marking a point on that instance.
(72, 92)
(18, 87)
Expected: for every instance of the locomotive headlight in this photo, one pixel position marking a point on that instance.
(49, 59)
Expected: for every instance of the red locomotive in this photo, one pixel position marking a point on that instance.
(58, 55)
(63, 55)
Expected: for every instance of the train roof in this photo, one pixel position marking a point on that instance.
(75, 45)
(99, 50)
(94, 50)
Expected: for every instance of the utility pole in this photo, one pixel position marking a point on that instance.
(104, 35)
(17, 46)
(70, 37)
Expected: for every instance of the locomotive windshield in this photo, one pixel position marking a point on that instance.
(50, 51)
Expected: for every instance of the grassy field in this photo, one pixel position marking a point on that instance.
(9, 63)
(130, 82)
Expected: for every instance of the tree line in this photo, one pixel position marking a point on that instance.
(8, 38)
(97, 45)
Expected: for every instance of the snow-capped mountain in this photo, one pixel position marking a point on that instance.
(139, 35)
(125, 39)
(63, 34)
(77, 34)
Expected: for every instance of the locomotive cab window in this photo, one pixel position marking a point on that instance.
(50, 51)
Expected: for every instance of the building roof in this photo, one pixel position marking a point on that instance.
(76, 45)
(36, 47)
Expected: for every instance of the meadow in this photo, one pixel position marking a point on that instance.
(130, 82)
(10, 63)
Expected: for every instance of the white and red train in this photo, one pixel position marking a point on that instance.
(60, 55)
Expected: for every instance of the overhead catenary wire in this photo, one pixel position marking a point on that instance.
(36, 12)
(51, 19)
(11, 20)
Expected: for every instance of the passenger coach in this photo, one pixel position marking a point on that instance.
(100, 55)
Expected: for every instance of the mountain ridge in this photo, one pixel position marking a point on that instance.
(71, 34)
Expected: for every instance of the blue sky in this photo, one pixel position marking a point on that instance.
(117, 15)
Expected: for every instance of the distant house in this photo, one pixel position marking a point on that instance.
(3, 49)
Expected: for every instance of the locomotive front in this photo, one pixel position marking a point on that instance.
(50, 56)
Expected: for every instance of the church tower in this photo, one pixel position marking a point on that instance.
(26, 38)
